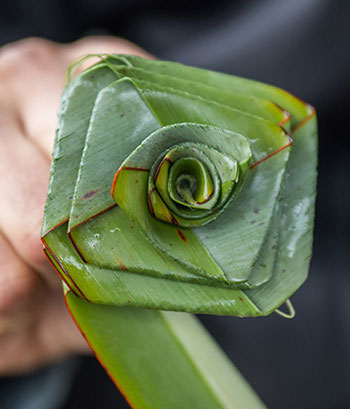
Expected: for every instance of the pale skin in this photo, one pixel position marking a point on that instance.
(35, 326)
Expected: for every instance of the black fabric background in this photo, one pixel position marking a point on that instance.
(302, 46)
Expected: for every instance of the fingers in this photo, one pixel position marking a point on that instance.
(50, 335)
(20, 287)
(35, 70)
(18, 282)
(32, 73)
(35, 326)
(23, 184)
(57, 331)
(101, 45)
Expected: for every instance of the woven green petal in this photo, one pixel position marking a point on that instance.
(175, 188)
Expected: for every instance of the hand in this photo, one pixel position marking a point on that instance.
(35, 327)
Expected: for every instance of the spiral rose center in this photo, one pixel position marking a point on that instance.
(191, 173)
(186, 187)
(190, 182)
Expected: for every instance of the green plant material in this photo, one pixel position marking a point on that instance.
(162, 359)
(175, 188)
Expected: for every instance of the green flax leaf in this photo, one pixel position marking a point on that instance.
(177, 189)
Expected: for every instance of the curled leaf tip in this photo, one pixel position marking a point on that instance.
(291, 311)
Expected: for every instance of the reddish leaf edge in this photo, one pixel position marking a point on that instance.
(92, 349)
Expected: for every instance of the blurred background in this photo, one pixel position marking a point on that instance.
(301, 46)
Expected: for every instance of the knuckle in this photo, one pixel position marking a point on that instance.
(31, 248)
(33, 51)
(17, 282)
(15, 291)
(35, 48)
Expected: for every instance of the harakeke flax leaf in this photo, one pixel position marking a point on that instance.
(175, 188)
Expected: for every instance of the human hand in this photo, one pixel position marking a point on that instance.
(35, 327)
